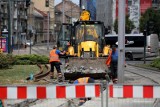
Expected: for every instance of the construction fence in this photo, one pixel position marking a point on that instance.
(68, 95)
(49, 95)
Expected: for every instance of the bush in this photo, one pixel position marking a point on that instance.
(31, 59)
(6, 61)
(156, 63)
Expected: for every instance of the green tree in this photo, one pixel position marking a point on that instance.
(151, 15)
(128, 27)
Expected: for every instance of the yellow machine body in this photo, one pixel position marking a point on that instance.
(106, 50)
(88, 46)
(71, 51)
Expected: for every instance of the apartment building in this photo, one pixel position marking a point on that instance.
(18, 20)
(49, 11)
(71, 13)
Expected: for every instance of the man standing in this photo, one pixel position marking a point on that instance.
(55, 62)
(112, 63)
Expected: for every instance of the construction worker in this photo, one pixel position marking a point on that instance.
(83, 80)
(85, 14)
(55, 62)
(112, 63)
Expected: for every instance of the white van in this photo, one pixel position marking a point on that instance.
(135, 50)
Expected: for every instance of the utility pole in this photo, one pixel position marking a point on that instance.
(0, 20)
(63, 20)
(48, 32)
(9, 26)
(63, 11)
(121, 40)
(80, 4)
(0, 30)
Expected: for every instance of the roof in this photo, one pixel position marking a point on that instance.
(40, 13)
(67, 1)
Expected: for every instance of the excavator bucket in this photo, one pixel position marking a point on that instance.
(85, 67)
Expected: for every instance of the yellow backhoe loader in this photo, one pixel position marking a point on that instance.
(87, 49)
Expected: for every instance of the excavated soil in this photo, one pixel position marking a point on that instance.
(96, 65)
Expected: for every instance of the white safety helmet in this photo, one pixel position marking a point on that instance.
(83, 7)
(55, 46)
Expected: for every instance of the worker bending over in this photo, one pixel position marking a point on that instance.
(84, 80)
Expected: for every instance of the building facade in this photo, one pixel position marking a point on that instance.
(71, 14)
(40, 5)
(134, 8)
(17, 20)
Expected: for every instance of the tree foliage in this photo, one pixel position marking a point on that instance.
(128, 26)
(150, 15)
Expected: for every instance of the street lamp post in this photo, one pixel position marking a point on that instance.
(48, 31)
(9, 26)
(121, 40)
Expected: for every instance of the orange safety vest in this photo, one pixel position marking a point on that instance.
(83, 80)
(108, 61)
(53, 56)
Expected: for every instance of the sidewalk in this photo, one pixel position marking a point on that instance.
(40, 50)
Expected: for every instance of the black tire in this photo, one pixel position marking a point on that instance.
(129, 56)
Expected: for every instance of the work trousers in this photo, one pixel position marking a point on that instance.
(114, 65)
(56, 65)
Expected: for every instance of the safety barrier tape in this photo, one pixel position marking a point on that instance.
(134, 91)
(51, 91)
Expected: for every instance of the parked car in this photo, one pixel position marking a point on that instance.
(28, 42)
(134, 49)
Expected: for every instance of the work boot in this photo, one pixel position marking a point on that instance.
(81, 102)
(60, 77)
(115, 81)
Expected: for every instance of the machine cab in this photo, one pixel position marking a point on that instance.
(64, 36)
(89, 37)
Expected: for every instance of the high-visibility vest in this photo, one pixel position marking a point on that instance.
(108, 61)
(83, 80)
(53, 56)
(85, 15)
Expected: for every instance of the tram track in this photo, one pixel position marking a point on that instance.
(152, 75)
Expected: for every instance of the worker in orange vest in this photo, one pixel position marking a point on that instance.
(112, 63)
(83, 80)
(55, 61)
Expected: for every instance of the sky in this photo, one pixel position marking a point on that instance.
(58, 1)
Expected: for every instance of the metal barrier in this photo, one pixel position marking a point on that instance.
(57, 95)
(50, 94)
(134, 95)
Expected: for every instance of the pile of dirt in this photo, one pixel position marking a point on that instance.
(86, 65)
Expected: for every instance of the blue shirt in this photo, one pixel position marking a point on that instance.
(58, 52)
(115, 56)
(75, 82)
